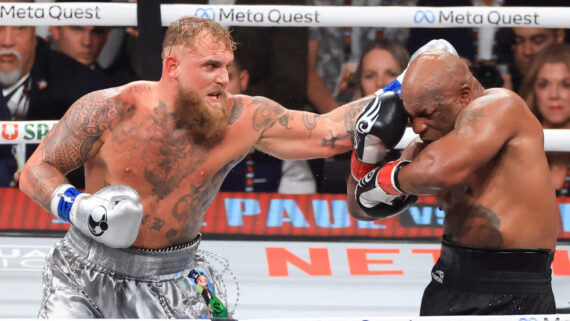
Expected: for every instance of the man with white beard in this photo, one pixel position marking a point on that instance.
(39, 83)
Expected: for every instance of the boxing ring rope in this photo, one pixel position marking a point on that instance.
(31, 132)
(125, 14)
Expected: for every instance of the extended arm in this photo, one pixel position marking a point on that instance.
(292, 134)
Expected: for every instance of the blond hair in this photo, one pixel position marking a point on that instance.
(554, 53)
(184, 31)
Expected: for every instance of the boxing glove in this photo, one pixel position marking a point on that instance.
(435, 44)
(379, 127)
(111, 216)
(378, 195)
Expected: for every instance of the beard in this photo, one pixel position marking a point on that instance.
(7, 79)
(206, 125)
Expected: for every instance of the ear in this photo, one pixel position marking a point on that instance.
(559, 35)
(465, 95)
(244, 79)
(171, 64)
(54, 30)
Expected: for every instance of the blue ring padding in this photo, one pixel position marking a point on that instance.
(65, 203)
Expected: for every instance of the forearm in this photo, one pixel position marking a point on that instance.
(418, 179)
(352, 205)
(39, 180)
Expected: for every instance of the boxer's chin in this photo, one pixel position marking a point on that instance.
(206, 123)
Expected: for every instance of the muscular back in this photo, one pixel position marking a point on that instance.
(491, 176)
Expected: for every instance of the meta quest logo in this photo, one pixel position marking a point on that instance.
(467, 17)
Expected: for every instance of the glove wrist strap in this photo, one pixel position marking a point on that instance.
(359, 169)
(387, 177)
(62, 200)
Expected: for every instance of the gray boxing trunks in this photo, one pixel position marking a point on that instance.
(85, 279)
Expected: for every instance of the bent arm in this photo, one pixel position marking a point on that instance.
(481, 130)
(292, 134)
(355, 210)
(67, 146)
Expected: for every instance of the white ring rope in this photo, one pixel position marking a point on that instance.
(32, 132)
(125, 14)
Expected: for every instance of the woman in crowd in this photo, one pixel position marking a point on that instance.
(381, 62)
(546, 89)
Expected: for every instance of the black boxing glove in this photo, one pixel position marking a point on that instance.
(378, 195)
(379, 127)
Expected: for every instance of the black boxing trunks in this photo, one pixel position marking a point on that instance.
(473, 281)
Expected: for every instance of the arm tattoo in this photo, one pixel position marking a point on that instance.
(236, 111)
(467, 120)
(354, 109)
(68, 146)
(310, 121)
(267, 113)
(334, 139)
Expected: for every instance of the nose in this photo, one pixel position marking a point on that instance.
(224, 76)
(418, 126)
(527, 48)
(553, 92)
(381, 82)
(86, 38)
(7, 37)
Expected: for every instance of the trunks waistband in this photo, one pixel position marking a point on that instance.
(509, 260)
(134, 262)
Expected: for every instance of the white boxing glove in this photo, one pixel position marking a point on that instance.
(111, 216)
(435, 44)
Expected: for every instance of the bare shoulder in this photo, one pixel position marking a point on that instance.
(499, 100)
(498, 104)
(103, 107)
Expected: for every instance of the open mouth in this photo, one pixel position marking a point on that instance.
(215, 96)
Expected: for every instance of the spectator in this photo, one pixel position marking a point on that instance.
(39, 83)
(7, 161)
(517, 47)
(259, 172)
(381, 62)
(546, 89)
(82, 43)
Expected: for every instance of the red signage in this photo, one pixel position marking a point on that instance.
(272, 214)
(10, 131)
